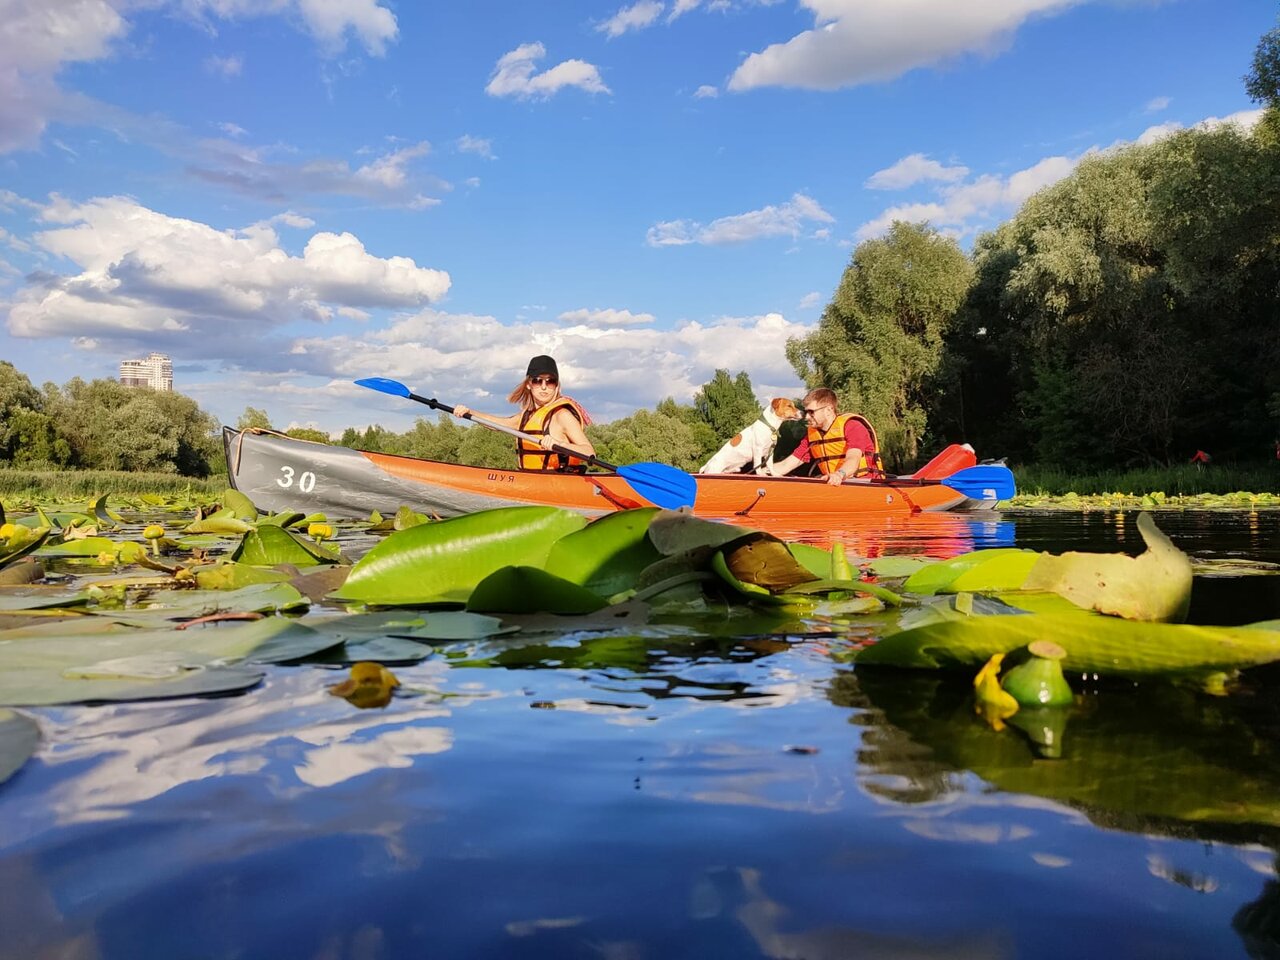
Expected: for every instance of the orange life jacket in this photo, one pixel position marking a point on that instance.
(827, 448)
(529, 455)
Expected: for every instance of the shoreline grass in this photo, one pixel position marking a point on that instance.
(18, 484)
(1179, 481)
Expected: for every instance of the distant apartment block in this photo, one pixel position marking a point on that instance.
(156, 372)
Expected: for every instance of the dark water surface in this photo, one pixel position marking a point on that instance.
(656, 796)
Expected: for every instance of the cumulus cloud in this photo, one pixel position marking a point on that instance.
(477, 145)
(959, 208)
(613, 371)
(145, 274)
(864, 41)
(606, 317)
(514, 75)
(635, 17)
(914, 169)
(1156, 104)
(811, 299)
(706, 90)
(786, 219)
(40, 37)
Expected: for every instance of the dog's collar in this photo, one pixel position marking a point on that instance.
(770, 419)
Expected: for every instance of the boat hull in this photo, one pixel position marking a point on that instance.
(280, 473)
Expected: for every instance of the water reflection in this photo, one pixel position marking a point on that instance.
(1153, 758)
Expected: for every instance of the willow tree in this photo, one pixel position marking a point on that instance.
(726, 404)
(879, 342)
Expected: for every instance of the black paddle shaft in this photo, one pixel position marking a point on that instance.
(503, 428)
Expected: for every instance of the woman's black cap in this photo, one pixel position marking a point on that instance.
(543, 365)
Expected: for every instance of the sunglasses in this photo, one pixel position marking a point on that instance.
(811, 411)
(543, 381)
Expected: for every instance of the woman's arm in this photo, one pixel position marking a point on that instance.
(465, 412)
(566, 431)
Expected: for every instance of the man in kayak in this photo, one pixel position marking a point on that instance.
(842, 445)
(556, 420)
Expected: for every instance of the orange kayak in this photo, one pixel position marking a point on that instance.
(281, 473)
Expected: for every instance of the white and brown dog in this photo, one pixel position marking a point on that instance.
(754, 445)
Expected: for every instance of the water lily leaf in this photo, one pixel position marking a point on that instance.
(1107, 646)
(381, 649)
(241, 507)
(443, 562)
(224, 522)
(748, 591)
(1153, 586)
(523, 589)
(938, 577)
(104, 514)
(24, 570)
(893, 568)
(1005, 571)
(406, 518)
(674, 532)
(814, 559)
(40, 598)
(269, 545)
(38, 686)
(229, 575)
(85, 547)
(22, 541)
(421, 626)
(288, 518)
(608, 554)
(764, 561)
(19, 737)
(187, 604)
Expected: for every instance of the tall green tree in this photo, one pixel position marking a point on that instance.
(647, 436)
(726, 404)
(879, 342)
(1262, 82)
(253, 418)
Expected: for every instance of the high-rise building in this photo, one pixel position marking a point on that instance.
(156, 372)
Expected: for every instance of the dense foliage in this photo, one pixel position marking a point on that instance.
(102, 425)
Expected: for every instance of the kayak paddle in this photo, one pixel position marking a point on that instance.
(660, 484)
(986, 481)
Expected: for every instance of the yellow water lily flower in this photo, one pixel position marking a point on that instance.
(370, 685)
(7, 531)
(153, 532)
(319, 531)
(991, 702)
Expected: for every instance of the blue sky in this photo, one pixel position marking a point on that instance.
(286, 195)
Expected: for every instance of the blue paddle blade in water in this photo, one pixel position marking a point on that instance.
(383, 385)
(986, 481)
(661, 485)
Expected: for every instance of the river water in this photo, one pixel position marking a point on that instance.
(652, 795)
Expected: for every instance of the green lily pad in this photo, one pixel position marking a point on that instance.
(1107, 646)
(83, 547)
(608, 554)
(673, 532)
(895, 567)
(241, 507)
(1153, 586)
(938, 577)
(19, 737)
(442, 562)
(224, 522)
(105, 516)
(524, 589)
(188, 604)
(25, 540)
(229, 575)
(13, 599)
(269, 545)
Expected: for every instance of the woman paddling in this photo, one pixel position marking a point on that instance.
(556, 420)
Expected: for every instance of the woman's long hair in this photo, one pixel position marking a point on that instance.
(522, 396)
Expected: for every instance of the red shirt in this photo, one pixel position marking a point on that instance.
(855, 435)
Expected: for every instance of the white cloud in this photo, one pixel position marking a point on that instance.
(811, 299)
(477, 145)
(143, 273)
(613, 371)
(1156, 104)
(786, 219)
(635, 17)
(863, 41)
(39, 37)
(233, 130)
(514, 75)
(914, 169)
(606, 317)
(224, 66)
(681, 7)
(960, 208)
(706, 90)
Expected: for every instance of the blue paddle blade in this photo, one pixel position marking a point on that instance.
(986, 481)
(383, 385)
(661, 485)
